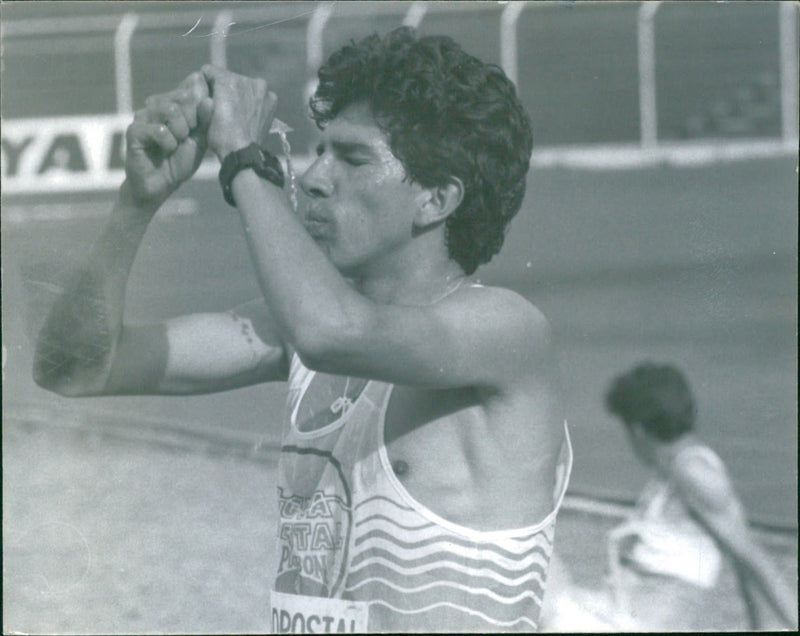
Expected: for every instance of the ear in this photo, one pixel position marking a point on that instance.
(436, 203)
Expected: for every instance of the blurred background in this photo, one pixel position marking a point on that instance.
(660, 223)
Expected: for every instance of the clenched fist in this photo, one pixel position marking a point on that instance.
(167, 140)
(243, 110)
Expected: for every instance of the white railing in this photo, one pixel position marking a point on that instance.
(416, 12)
(647, 151)
(646, 51)
(219, 38)
(787, 33)
(123, 66)
(509, 54)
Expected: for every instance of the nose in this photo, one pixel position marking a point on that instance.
(316, 181)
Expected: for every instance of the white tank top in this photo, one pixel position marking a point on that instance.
(358, 553)
(670, 541)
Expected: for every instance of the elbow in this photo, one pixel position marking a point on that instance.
(45, 378)
(74, 350)
(63, 374)
(41, 378)
(58, 381)
(314, 349)
(49, 370)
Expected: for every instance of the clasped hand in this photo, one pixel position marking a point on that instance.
(212, 108)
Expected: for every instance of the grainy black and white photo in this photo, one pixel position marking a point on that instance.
(355, 316)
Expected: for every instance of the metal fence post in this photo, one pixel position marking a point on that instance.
(648, 113)
(415, 13)
(219, 39)
(508, 39)
(787, 32)
(314, 46)
(122, 62)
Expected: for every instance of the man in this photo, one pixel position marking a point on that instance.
(424, 454)
(685, 559)
(667, 561)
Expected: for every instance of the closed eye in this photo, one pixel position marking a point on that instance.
(354, 161)
(345, 154)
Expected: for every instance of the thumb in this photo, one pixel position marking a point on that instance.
(205, 111)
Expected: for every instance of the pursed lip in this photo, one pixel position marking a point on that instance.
(316, 222)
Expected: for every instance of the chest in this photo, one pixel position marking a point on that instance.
(406, 415)
(451, 450)
(433, 442)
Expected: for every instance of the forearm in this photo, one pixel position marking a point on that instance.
(309, 299)
(75, 347)
(763, 580)
(758, 576)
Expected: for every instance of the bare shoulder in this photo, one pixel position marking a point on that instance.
(527, 410)
(702, 479)
(513, 318)
(498, 302)
(509, 332)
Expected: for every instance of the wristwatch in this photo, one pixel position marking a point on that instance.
(263, 163)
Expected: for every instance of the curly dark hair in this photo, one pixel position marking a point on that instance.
(657, 396)
(446, 114)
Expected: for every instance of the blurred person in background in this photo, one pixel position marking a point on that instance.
(687, 547)
(425, 453)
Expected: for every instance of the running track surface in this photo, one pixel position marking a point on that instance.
(694, 266)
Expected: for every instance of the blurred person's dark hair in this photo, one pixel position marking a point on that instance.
(657, 396)
(446, 114)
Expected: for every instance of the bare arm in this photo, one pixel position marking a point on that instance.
(618, 543)
(199, 353)
(712, 499)
(85, 349)
(482, 337)
(485, 337)
(79, 338)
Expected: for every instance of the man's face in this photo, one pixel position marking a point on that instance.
(361, 211)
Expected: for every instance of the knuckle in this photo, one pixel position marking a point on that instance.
(195, 78)
(194, 85)
(168, 142)
(154, 102)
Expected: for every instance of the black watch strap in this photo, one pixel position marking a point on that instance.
(263, 163)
